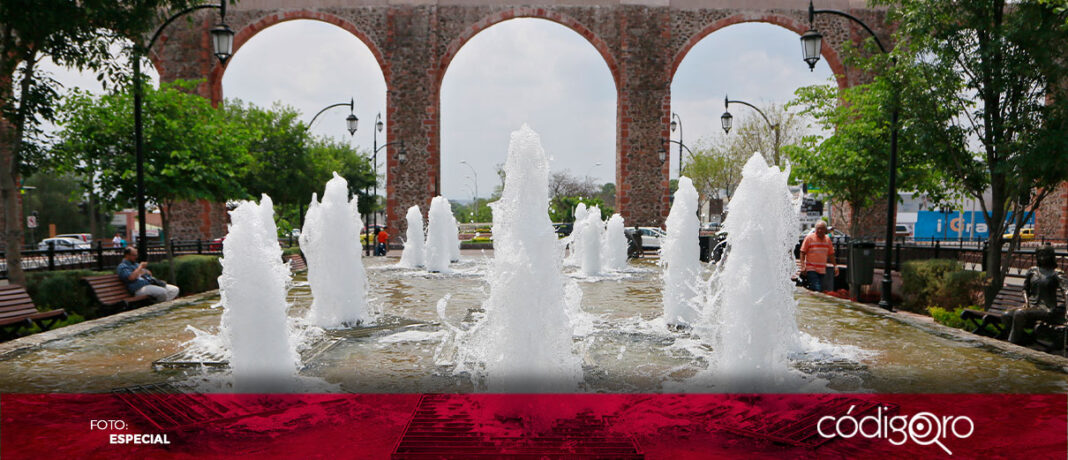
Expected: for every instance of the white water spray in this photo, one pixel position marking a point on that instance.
(751, 320)
(524, 343)
(680, 259)
(454, 245)
(440, 234)
(253, 289)
(588, 242)
(414, 255)
(330, 240)
(614, 244)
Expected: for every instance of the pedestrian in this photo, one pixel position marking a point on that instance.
(382, 237)
(639, 248)
(118, 242)
(816, 250)
(139, 280)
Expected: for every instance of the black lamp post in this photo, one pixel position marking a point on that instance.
(351, 121)
(811, 43)
(401, 156)
(222, 40)
(727, 119)
(676, 122)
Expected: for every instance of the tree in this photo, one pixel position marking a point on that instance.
(753, 134)
(328, 156)
(989, 82)
(73, 33)
(278, 146)
(716, 169)
(191, 151)
(59, 199)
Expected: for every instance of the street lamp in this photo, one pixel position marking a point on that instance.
(662, 153)
(222, 40)
(590, 171)
(811, 42)
(401, 156)
(351, 121)
(475, 173)
(676, 122)
(726, 120)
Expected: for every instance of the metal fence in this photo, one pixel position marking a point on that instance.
(969, 253)
(101, 258)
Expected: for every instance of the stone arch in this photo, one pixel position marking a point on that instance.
(254, 27)
(828, 51)
(497, 17)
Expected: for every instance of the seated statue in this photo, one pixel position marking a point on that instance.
(1041, 286)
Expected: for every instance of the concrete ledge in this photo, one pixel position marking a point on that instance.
(24, 344)
(929, 325)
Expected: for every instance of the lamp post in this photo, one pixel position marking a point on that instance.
(676, 122)
(473, 172)
(401, 156)
(590, 171)
(222, 40)
(351, 121)
(811, 42)
(727, 119)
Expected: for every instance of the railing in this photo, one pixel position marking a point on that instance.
(973, 253)
(100, 257)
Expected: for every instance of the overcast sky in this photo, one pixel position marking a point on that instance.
(519, 71)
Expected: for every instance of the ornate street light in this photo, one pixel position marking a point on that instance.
(662, 154)
(726, 120)
(810, 44)
(351, 121)
(222, 46)
(379, 126)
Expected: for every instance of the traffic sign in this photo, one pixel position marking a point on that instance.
(31, 221)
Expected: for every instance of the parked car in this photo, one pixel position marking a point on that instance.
(83, 237)
(651, 237)
(1026, 234)
(63, 244)
(563, 228)
(902, 232)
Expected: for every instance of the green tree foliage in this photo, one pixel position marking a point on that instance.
(61, 199)
(715, 168)
(989, 83)
(477, 211)
(72, 33)
(190, 149)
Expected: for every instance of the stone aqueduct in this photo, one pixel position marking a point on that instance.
(642, 41)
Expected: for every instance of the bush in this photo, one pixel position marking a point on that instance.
(480, 239)
(65, 290)
(953, 319)
(195, 273)
(939, 282)
(290, 251)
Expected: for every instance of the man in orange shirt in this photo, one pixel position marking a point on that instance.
(382, 236)
(816, 250)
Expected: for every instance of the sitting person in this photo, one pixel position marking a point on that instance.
(140, 281)
(1041, 286)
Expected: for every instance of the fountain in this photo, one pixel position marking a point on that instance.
(440, 234)
(524, 342)
(679, 258)
(454, 244)
(414, 255)
(614, 244)
(751, 321)
(588, 242)
(572, 242)
(253, 288)
(330, 241)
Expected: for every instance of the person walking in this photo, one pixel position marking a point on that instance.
(816, 250)
(382, 237)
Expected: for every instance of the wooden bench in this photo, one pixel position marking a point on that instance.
(1009, 297)
(17, 311)
(111, 292)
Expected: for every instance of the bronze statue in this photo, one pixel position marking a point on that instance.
(1041, 286)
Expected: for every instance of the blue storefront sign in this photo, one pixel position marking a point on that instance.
(935, 225)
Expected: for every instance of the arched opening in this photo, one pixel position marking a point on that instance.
(547, 72)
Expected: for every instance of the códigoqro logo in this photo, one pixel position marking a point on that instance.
(923, 428)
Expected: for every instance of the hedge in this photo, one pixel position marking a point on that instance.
(195, 273)
(941, 283)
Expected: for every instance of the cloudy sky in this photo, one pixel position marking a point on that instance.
(519, 71)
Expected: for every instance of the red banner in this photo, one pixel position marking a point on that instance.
(400, 426)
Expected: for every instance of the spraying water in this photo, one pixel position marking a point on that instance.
(330, 240)
(679, 258)
(253, 289)
(574, 256)
(614, 244)
(588, 242)
(524, 343)
(751, 321)
(454, 245)
(414, 254)
(440, 234)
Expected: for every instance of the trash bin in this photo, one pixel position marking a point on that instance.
(861, 262)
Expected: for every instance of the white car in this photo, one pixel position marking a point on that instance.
(651, 237)
(63, 244)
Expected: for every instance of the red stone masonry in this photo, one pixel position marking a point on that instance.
(415, 41)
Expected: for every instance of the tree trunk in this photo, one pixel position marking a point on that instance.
(996, 226)
(163, 214)
(11, 140)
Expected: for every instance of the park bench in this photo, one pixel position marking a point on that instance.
(17, 311)
(1012, 296)
(111, 292)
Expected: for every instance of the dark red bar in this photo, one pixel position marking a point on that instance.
(654, 426)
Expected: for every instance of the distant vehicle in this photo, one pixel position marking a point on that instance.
(902, 232)
(83, 237)
(63, 244)
(651, 237)
(216, 244)
(1026, 234)
(710, 227)
(563, 228)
